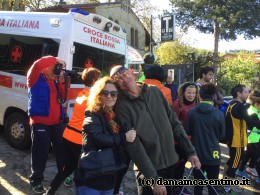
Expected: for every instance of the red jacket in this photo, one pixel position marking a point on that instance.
(182, 116)
(32, 76)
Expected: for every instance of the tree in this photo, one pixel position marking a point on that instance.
(143, 10)
(237, 71)
(12, 5)
(34, 5)
(225, 18)
(172, 52)
(176, 53)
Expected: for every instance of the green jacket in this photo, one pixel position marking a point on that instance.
(254, 136)
(157, 126)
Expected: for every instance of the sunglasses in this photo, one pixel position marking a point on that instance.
(112, 93)
(119, 72)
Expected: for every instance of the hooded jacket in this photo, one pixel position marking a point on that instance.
(43, 106)
(206, 125)
(157, 125)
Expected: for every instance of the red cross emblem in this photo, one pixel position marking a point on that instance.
(16, 54)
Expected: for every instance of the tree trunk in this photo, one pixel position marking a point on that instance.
(215, 52)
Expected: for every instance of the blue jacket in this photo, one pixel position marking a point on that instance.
(39, 98)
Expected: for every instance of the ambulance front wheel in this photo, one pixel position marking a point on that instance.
(17, 131)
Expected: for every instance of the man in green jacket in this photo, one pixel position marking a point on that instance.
(145, 109)
(253, 144)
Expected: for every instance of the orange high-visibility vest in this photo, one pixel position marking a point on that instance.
(73, 131)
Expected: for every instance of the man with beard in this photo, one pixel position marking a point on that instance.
(206, 75)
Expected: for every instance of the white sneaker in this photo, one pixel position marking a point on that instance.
(252, 171)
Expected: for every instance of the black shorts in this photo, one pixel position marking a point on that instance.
(235, 156)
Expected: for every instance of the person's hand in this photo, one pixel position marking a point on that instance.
(59, 61)
(195, 162)
(130, 135)
(61, 77)
(159, 190)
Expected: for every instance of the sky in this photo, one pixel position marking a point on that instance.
(206, 41)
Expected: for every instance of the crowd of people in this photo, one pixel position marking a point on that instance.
(158, 127)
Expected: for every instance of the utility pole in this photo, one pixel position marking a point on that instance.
(192, 57)
(193, 68)
(151, 34)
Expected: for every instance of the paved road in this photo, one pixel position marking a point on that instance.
(15, 170)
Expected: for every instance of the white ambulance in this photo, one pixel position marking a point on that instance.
(79, 38)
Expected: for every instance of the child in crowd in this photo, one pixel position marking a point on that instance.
(188, 97)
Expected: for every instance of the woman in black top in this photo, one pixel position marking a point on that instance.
(101, 130)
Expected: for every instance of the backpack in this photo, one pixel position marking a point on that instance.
(223, 107)
(226, 108)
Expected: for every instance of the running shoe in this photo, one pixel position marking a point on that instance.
(38, 189)
(228, 190)
(68, 182)
(242, 174)
(252, 171)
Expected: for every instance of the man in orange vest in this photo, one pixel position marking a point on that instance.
(72, 137)
(154, 75)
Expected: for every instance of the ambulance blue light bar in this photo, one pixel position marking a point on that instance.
(77, 10)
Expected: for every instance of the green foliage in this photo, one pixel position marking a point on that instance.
(172, 53)
(225, 18)
(235, 71)
(233, 17)
(244, 51)
(176, 53)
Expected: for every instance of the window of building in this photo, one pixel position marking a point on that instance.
(136, 38)
(132, 37)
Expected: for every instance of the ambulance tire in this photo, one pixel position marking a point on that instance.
(17, 131)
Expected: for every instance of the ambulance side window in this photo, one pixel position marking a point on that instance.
(100, 59)
(17, 53)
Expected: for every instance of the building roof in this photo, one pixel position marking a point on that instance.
(63, 7)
